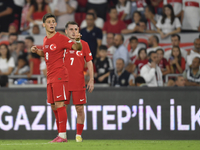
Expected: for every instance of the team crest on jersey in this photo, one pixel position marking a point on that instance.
(71, 52)
(79, 53)
(53, 47)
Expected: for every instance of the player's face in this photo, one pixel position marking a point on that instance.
(71, 30)
(50, 25)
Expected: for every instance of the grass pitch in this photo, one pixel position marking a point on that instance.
(100, 145)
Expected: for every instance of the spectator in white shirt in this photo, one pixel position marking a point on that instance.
(190, 15)
(7, 62)
(121, 51)
(64, 11)
(168, 24)
(151, 17)
(177, 6)
(22, 67)
(123, 8)
(176, 39)
(98, 21)
(133, 53)
(133, 27)
(194, 53)
(110, 44)
(153, 43)
(151, 72)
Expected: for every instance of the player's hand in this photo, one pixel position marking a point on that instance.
(90, 85)
(34, 49)
(77, 35)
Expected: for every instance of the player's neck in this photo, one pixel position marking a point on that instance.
(50, 34)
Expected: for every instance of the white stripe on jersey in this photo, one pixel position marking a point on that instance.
(64, 92)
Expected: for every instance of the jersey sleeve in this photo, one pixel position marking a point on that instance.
(88, 54)
(66, 42)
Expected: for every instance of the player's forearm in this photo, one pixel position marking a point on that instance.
(90, 70)
(77, 46)
(40, 53)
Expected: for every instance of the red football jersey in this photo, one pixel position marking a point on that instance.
(140, 63)
(54, 49)
(75, 61)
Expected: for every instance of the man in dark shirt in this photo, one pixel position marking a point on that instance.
(92, 34)
(6, 14)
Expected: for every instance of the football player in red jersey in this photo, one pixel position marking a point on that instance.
(75, 61)
(54, 45)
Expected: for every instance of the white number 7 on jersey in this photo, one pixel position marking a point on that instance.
(72, 60)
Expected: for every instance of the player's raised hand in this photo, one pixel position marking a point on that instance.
(90, 86)
(34, 49)
(77, 35)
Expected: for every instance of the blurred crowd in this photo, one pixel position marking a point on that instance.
(114, 63)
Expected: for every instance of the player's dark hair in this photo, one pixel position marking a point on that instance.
(103, 47)
(91, 15)
(133, 38)
(151, 9)
(140, 50)
(156, 38)
(139, 80)
(46, 16)
(176, 35)
(70, 22)
(30, 38)
(111, 8)
(7, 53)
(160, 49)
(164, 16)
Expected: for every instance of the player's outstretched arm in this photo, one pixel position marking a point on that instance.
(34, 49)
(90, 85)
(78, 45)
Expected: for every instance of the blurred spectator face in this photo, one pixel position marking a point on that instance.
(134, 44)
(93, 12)
(122, 1)
(21, 63)
(12, 38)
(146, 12)
(180, 81)
(150, 41)
(136, 17)
(197, 44)
(160, 55)
(103, 53)
(119, 65)
(39, 1)
(12, 29)
(20, 46)
(142, 25)
(3, 51)
(195, 63)
(113, 14)
(175, 52)
(13, 46)
(142, 55)
(90, 20)
(28, 43)
(110, 39)
(36, 29)
(175, 41)
(167, 11)
(154, 57)
(117, 40)
(71, 30)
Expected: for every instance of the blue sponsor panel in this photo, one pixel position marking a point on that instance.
(111, 113)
